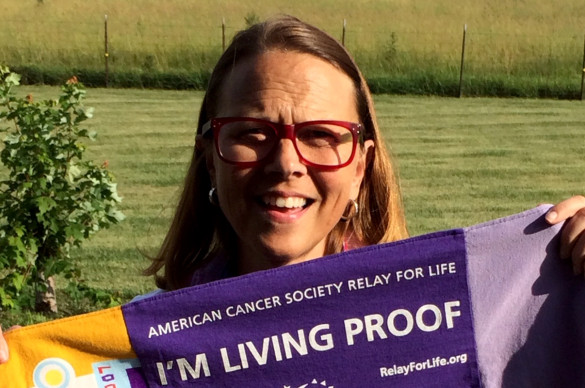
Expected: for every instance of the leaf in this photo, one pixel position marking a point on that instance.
(45, 204)
(117, 215)
(12, 138)
(17, 280)
(73, 172)
(12, 79)
(75, 231)
(89, 112)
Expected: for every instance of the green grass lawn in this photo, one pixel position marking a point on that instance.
(461, 161)
(466, 161)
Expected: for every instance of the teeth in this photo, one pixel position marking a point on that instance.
(288, 202)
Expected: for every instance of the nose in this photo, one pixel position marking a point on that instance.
(285, 160)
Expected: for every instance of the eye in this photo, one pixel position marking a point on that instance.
(257, 134)
(320, 136)
(249, 133)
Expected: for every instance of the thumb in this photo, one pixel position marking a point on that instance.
(3, 348)
(565, 209)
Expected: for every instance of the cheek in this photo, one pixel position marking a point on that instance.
(335, 187)
(338, 188)
(229, 183)
(224, 176)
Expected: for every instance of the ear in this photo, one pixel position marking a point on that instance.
(364, 156)
(205, 146)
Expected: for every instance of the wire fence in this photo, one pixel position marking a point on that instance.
(379, 50)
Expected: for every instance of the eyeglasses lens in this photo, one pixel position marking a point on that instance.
(251, 141)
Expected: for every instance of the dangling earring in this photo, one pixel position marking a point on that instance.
(348, 215)
(212, 195)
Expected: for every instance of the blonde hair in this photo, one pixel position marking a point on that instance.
(199, 230)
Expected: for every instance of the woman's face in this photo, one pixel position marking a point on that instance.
(283, 210)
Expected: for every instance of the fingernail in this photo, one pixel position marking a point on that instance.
(551, 216)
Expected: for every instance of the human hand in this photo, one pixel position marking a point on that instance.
(4, 346)
(573, 233)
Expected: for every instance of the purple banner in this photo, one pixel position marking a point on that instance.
(388, 315)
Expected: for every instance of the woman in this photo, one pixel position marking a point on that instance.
(270, 203)
(285, 72)
(289, 164)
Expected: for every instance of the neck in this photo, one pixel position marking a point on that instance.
(252, 260)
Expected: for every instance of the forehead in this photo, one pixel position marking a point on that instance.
(291, 85)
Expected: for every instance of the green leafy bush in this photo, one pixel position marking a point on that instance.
(50, 198)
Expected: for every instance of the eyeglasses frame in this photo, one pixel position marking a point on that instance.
(284, 131)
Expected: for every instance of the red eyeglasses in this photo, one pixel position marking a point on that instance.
(247, 141)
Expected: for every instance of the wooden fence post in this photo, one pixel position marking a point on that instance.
(343, 33)
(106, 52)
(583, 74)
(223, 34)
(462, 62)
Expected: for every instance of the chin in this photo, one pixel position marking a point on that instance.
(277, 252)
(282, 257)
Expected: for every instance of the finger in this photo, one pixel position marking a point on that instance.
(565, 209)
(3, 348)
(572, 230)
(578, 255)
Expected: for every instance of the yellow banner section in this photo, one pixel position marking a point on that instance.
(68, 352)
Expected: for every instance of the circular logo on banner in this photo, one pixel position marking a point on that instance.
(53, 373)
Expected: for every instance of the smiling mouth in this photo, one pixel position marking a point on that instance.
(285, 202)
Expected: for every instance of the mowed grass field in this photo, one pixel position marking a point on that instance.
(461, 161)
